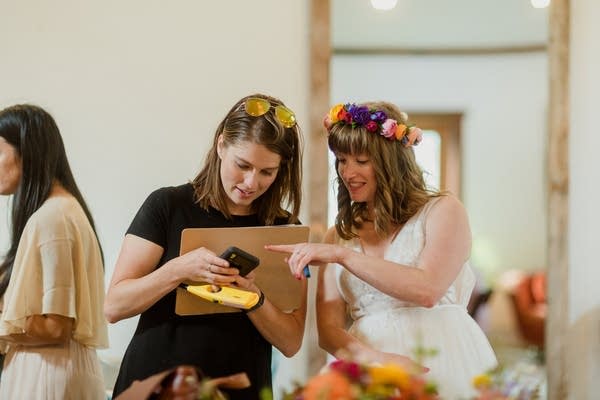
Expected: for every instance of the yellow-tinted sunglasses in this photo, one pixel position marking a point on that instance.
(256, 107)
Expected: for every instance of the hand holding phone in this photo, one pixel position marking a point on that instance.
(238, 258)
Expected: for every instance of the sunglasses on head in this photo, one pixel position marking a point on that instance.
(255, 106)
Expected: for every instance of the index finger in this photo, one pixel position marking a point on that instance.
(281, 248)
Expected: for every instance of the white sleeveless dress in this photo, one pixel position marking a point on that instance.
(395, 326)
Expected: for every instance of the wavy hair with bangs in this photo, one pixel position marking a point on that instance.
(239, 127)
(401, 190)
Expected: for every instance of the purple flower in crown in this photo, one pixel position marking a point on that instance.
(360, 115)
(379, 117)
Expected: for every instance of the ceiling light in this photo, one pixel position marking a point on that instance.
(540, 3)
(384, 4)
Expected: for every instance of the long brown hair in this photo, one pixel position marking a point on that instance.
(238, 127)
(401, 190)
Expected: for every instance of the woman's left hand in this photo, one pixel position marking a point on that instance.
(246, 282)
(303, 254)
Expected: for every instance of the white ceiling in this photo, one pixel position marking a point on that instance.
(426, 24)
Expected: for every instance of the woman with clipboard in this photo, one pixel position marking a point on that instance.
(252, 169)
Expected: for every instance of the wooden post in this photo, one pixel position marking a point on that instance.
(558, 201)
(320, 55)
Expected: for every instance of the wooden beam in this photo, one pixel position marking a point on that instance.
(320, 55)
(558, 201)
(440, 51)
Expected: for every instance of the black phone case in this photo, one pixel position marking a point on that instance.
(238, 258)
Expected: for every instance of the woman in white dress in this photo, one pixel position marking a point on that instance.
(51, 279)
(396, 260)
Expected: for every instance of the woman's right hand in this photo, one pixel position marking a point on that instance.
(364, 354)
(406, 362)
(202, 265)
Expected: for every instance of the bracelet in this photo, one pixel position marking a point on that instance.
(259, 303)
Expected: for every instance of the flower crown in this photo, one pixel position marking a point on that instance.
(374, 121)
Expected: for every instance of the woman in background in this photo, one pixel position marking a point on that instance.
(52, 279)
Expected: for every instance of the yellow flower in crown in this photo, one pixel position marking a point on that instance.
(334, 112)
(389, 374)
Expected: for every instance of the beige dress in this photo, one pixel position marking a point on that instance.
(391, 325)
(57, 270)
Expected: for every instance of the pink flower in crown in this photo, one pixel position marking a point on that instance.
(327, 122)
(415, 135)
(388, 128)
(419, 137)
(372, 126)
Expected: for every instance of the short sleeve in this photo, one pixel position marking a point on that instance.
(151, 220)
(58, 278)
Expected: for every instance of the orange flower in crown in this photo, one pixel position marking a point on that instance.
(374, 121)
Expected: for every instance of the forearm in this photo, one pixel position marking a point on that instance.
(336, 341)
(283, 330)
(402, 282)
(42, 330)
(25, 340)
(131, 297)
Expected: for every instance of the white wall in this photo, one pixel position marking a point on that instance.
(138, 87)
(504, 101)
(583, 350)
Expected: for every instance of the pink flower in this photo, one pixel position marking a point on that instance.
(415, 135)
(327, 122)
(389, 127)
(372, 126)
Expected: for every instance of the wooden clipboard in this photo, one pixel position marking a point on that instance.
(272, 274)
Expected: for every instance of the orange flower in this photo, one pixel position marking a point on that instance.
(400, 129)
(330, 385)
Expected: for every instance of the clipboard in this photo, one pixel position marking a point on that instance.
(273, 275)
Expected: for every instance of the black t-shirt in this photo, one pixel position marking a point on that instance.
(218, 344)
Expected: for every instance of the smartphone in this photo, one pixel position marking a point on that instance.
(238, 258)
(226, 295)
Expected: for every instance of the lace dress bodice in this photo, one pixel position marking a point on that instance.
(363, 299)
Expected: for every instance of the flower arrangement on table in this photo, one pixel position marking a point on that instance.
(523, 381)
(348, 380)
